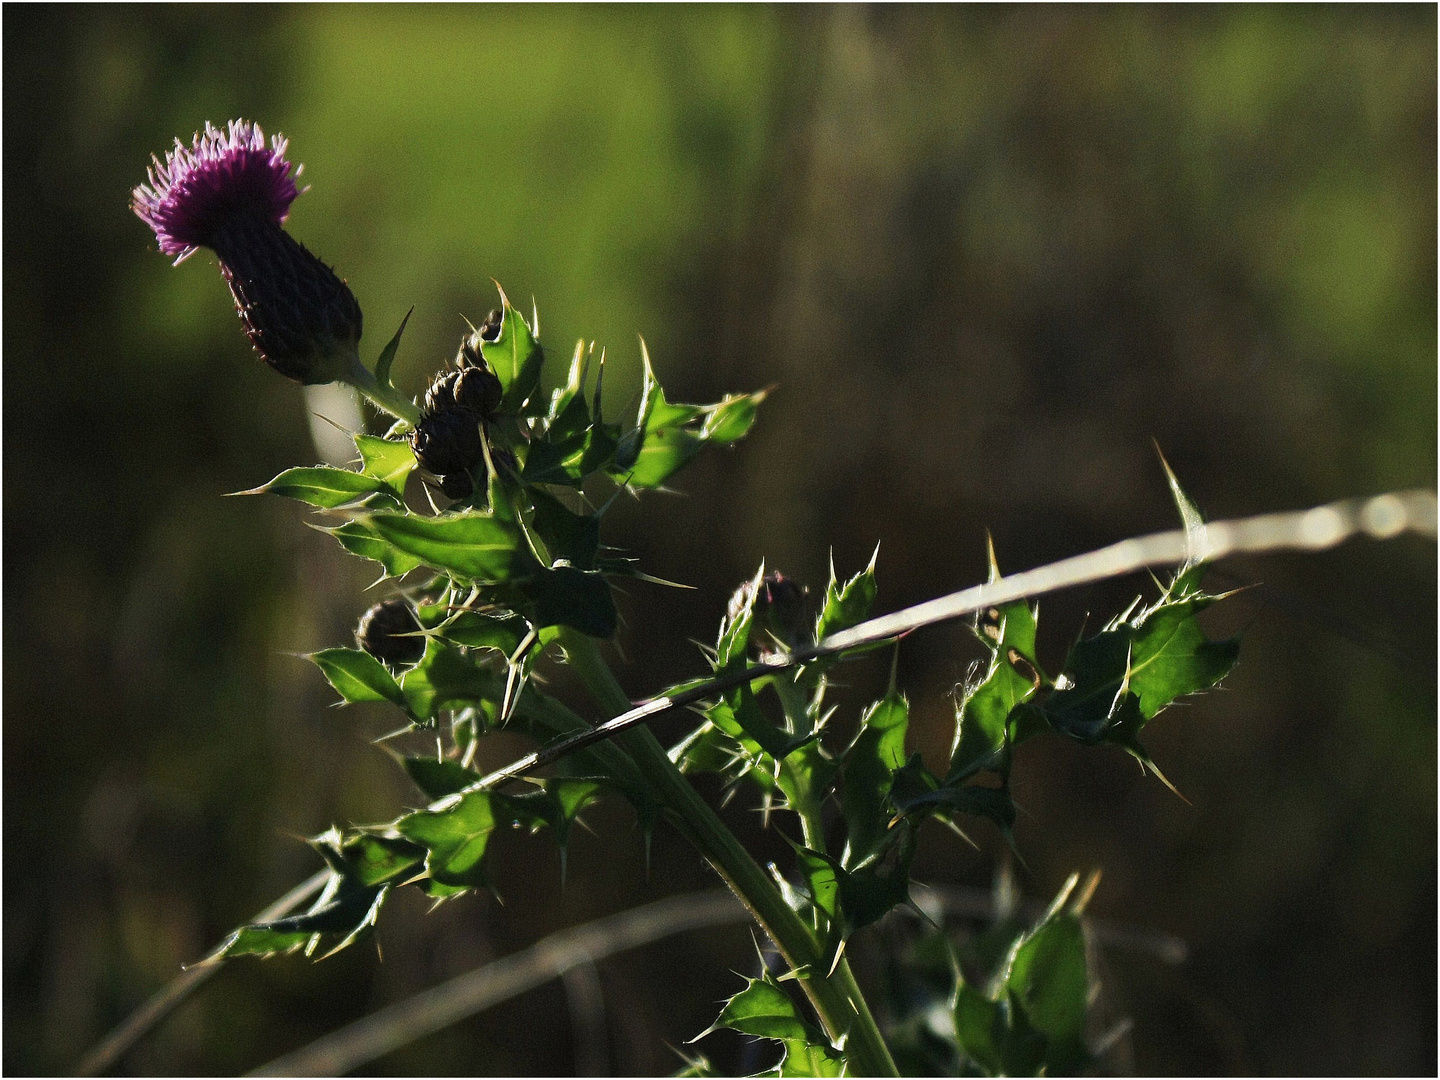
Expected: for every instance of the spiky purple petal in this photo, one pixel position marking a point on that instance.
(199, 191)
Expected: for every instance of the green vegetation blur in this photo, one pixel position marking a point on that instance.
(988, 254)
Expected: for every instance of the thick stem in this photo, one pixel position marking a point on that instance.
(550, 719)
(836, 997)
(383, 396)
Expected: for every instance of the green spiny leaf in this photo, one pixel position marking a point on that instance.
(567, 596)
(667, 436)
(359, 539)
(1032, 1020)
(821, 875)
(804, 1058)
(1047, 975)
(376, 859)
(805, 776)
(708, 749)
(263, 939)
(387, 354)
(345, 908)
(568, 536)
(358, 676)
(868, 770)
(846, 604)
(445, 676)
(515, 356)
(472, 545)
(1171, 656)
(1095, 688)
(323, 486)
(984, 734)
(730, 420)
(763, 1008)
(869, 891)
(987, 802)
(456, 833)
(556, 803)
(389, 462)
(734, 640)
(996, 1035)
(502, 632)
(572, 443)
(1190, 517)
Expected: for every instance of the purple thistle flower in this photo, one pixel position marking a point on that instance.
(196, 190)
(229, 193)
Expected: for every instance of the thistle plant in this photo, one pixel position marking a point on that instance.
(483, 508)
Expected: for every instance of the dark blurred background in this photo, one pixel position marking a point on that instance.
(988, 254)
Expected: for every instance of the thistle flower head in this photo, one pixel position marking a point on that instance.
(230, 193)
(201, 190)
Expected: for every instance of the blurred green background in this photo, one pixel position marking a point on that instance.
(988, 254)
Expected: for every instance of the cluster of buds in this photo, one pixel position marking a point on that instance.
(389, 631)
(449, 438)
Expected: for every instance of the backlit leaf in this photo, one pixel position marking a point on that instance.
(471, 545)
(359, 539)
(358, 676)
(446, 677)
(515, 356)
(323, 486)
(456, 834)
(867, 772)
(763, 1008)
(437, 777)
(388, 461)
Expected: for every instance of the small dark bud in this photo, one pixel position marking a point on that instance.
(380, 630)
(479, 390)
(457, 485)
(474, 387)
(440, 394)
(779, 606)
(490, 328)
(447, 442)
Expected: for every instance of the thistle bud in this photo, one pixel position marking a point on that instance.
(457, 485)
(380, 633)
(473, 389)
(447, 442)
(779, 605)
(230, 193)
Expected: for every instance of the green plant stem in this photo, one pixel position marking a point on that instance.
(551, 719)
(812, 827)
(383, 395)
(836, 997)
